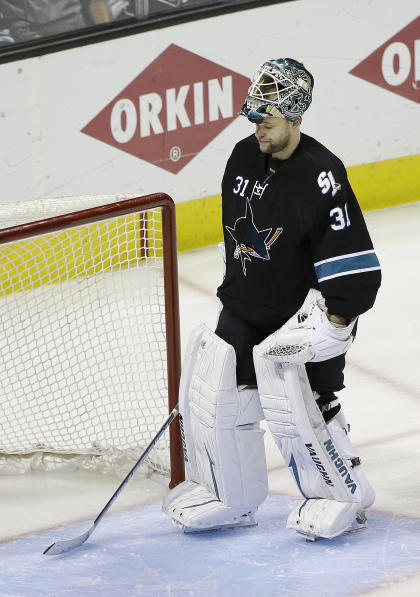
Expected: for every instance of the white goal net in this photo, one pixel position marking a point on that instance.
(83, 336)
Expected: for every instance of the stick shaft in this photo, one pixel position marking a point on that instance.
(127, 478)
(67, 545)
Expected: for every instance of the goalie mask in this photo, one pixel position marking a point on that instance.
(281, 88)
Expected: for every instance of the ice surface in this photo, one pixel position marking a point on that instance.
(141, 553)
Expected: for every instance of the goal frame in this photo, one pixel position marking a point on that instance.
(170, 267)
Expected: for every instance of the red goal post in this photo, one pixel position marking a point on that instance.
(58, 278)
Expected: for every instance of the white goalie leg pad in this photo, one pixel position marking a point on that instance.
(223, 443)
(319, 456)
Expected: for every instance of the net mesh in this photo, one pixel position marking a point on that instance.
(82, 340)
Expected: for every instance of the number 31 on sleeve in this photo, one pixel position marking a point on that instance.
(340, 218)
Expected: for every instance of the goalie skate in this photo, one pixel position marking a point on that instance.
(195, 509)
(246, 520)
(319, 518)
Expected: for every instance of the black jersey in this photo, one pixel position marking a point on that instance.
(290, 226)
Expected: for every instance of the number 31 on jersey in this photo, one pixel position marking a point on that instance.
(340, 218)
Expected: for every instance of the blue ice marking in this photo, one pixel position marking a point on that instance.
(140, 553)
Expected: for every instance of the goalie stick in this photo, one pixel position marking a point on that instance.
(59, 547)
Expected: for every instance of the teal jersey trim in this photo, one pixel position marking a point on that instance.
(354, 263)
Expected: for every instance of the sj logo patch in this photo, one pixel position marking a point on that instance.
(327, 182)
(251, 242)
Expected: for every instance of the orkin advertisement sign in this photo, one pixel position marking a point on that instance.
(172, 110)
(395, 65)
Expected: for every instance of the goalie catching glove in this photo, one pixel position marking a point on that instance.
(309, 335)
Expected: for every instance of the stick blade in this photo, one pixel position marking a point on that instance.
(67, 545)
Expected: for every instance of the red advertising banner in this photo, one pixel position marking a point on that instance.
(395, 65)
(172, 110)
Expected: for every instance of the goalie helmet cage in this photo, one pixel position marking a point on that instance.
(89, 320)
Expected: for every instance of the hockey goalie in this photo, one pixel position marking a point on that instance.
(300, 270)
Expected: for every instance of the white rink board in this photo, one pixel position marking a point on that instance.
(47, 101)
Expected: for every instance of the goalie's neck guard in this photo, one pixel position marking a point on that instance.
(280, 88)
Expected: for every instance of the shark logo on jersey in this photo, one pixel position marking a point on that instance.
(251, 242)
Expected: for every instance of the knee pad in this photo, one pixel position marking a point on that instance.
(223, 443)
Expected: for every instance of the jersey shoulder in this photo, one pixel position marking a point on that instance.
(245, 153)
(247, 145)
(315, 155)
(321, 173)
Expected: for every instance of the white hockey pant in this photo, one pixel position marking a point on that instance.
(319, 455)
(223, 443)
